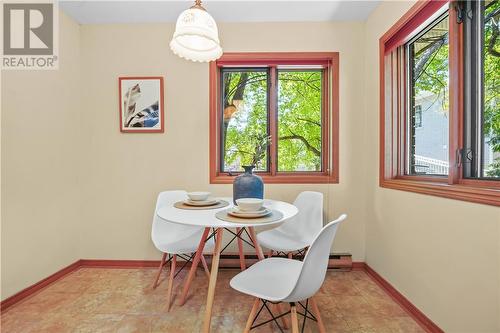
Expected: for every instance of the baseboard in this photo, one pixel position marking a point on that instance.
(358, 265)
(227, 261)
(424, 321)
(105, 263)
(25, 293)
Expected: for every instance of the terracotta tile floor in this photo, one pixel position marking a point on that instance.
(121, 300)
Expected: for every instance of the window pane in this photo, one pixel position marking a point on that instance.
(428, 101)
(299, 120)
(491, 90)
(244, 128)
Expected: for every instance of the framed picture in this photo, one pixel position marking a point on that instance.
(141, 104)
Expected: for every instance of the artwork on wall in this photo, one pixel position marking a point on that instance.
(141, 104)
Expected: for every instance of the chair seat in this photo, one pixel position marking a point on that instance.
(271, 279)
(186, 245)
(279, 241)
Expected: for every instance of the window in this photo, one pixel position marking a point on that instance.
(440, 101)
(300, 120)
(245, 128)
(428, 85)
(482, 136)
(277, 111)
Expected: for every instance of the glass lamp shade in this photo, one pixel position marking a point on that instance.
(196, 36)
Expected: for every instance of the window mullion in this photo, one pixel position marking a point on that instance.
(402, 129)
(273, 119)
(470, 103)
(455, 96)
(325, 121)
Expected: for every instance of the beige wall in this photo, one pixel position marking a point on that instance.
(443, 255)
(126, 171)
(40, 167)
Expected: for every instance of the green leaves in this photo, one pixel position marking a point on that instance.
(299, 120)
(246, 129)
(245, 119)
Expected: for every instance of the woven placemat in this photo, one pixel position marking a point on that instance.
(274, 216)
(182, 205)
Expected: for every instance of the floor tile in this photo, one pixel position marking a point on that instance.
(122, 300)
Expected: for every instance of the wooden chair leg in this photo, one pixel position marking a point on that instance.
(251, 317)
(205, 266)
(171, 281)
(279, 310)
(162, 263)
(290, 255)
(295, 320)
(316, 313)
(270, 254)
(240, 251)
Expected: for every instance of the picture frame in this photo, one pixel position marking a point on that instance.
(141, 104)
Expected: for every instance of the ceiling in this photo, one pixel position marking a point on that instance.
(97, 12)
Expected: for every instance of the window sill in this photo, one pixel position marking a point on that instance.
(470, 193)
(281, 179)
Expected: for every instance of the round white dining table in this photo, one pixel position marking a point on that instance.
(206, 218)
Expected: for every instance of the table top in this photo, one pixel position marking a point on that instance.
(206, 217)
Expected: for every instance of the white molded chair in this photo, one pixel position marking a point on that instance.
(175, 239)
(278, 280)
(297, 233)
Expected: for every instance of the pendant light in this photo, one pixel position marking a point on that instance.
(196, 37)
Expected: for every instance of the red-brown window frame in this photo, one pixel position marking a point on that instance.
(330, 133)
(392, 176)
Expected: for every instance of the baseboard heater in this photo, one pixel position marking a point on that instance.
(337, 261)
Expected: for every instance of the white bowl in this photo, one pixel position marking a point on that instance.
(249, 204)
(198, 196)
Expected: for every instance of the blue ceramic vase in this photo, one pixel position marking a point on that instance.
(248, 185)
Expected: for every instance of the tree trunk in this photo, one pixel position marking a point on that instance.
(238, 95)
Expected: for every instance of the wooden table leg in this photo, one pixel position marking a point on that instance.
(240, 250)
(258, 249)
(213, 281)
(194, 265)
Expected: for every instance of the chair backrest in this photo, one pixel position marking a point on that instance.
(163, 231)
(309, 220)
(315, 263)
